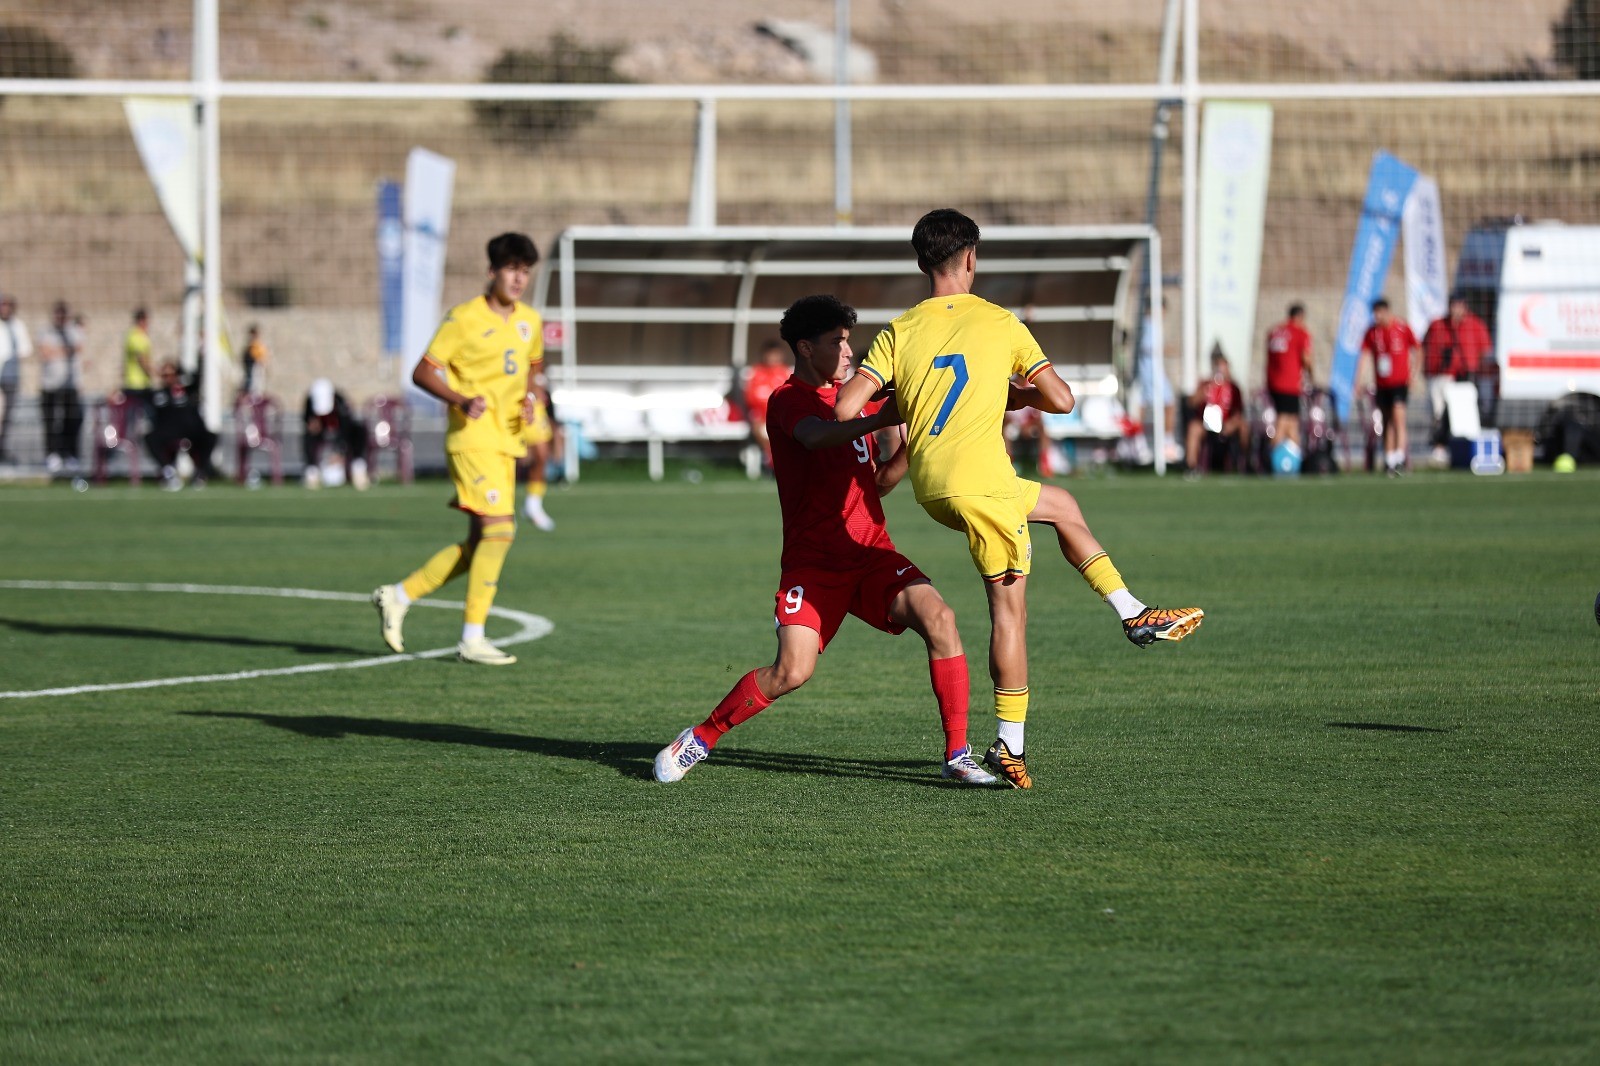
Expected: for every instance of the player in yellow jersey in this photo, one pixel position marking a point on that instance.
(486, 362)
(951, 360)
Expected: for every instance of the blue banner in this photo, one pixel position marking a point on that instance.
(391, 248)
(1388, 187)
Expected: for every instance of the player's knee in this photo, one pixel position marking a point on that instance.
(786, 677)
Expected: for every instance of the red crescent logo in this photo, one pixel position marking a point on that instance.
(1528, 306)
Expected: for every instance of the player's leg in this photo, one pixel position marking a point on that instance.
(538, 485)
(445, 565)
(796, 661)
(492, 536)
(1402, 444)
(919, 608)
(1142, 624)
(1008, 669)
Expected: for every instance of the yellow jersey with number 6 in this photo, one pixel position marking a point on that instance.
(951, 359)
(487, 355)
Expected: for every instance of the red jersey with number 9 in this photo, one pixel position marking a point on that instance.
(832, 517)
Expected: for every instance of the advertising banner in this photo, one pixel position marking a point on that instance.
(1235, 158)
(391, 257)
(1422, 236)
(168, 140)
(1388, 186)
(430, 180)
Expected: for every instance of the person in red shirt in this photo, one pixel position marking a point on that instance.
(1218, 406)
(1390, 343)
(1454, 348)
(1289, 371)
(764, 378)
(837, 556)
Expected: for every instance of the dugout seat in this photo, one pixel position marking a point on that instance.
(256, 424)
(118, 427)
(388, 421)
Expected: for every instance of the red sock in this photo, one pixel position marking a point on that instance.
(743, 701)
(950, 689)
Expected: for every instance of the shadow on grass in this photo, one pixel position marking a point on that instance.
(628, 758)
(1387, 727)
(51, 629)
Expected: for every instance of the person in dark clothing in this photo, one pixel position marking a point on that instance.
(329, 420)
(175, 418)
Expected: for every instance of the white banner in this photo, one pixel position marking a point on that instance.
(1422, 239)
(1235, 155)
(168, 139)
(430, 179)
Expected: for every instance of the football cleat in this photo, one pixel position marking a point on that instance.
(679, 757)
(480, 651)
(965, 771)
(534, 509)
(391, 616)
(1162, 623)
(1006, 766)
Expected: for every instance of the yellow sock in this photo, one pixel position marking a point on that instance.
(448, 564)
(537, 488)
(483, 578)
(1011, 704)
(1101, 575)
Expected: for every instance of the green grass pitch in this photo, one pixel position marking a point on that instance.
(1352, 819)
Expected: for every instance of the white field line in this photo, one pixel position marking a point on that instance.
(532, 627)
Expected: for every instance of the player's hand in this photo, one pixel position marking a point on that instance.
(475, 407)
(527, 408)
(889, 413)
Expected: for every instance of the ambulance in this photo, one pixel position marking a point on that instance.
(1537, 286)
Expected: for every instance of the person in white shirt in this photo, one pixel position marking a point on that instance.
(15, 346)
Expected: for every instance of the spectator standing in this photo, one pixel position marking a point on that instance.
(1289, 374)
(1390, 343)
(1217, 407)
(15, 346)
(255, 362)
(1454, 348)
(138, 373)
(766, 377)
(60, 406)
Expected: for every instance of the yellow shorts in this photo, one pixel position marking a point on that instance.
(537, 430)
(486, 483)
(996, 528)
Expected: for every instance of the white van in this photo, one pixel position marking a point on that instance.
(1537, 286)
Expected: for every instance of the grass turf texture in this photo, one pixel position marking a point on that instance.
(1352, 819)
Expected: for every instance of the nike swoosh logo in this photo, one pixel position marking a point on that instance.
(901, 571)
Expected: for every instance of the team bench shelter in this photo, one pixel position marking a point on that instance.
(650, 329)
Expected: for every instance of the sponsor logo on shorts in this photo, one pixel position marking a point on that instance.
(900, 572)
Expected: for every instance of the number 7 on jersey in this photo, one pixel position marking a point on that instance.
(958, 364)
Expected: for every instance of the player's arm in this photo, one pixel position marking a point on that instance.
(893, 469)
(853, 397)
(1047, 392)
(430, 376)
(814, 432)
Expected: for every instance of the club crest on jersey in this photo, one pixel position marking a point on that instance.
(525, 331)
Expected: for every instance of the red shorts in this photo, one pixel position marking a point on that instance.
(819, 599)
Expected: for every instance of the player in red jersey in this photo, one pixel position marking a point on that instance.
(1289, 371)
(764, 378)
(837, 555)
(1390, 342)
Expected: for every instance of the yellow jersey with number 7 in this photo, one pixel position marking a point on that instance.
(486, 355)
(951, 360)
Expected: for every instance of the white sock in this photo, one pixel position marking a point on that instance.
(1397, 459)
(471, 631)
(400, 594)
(1011, 733)
(1125, 603)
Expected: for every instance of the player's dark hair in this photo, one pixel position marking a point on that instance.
(140, 315)
(811, 316)
(512, 248)
(1296, 310)
(940, 236)
(1380, 302)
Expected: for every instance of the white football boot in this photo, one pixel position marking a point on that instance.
(391, 616)
(679, 757)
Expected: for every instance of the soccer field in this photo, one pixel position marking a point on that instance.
(1352, 819)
